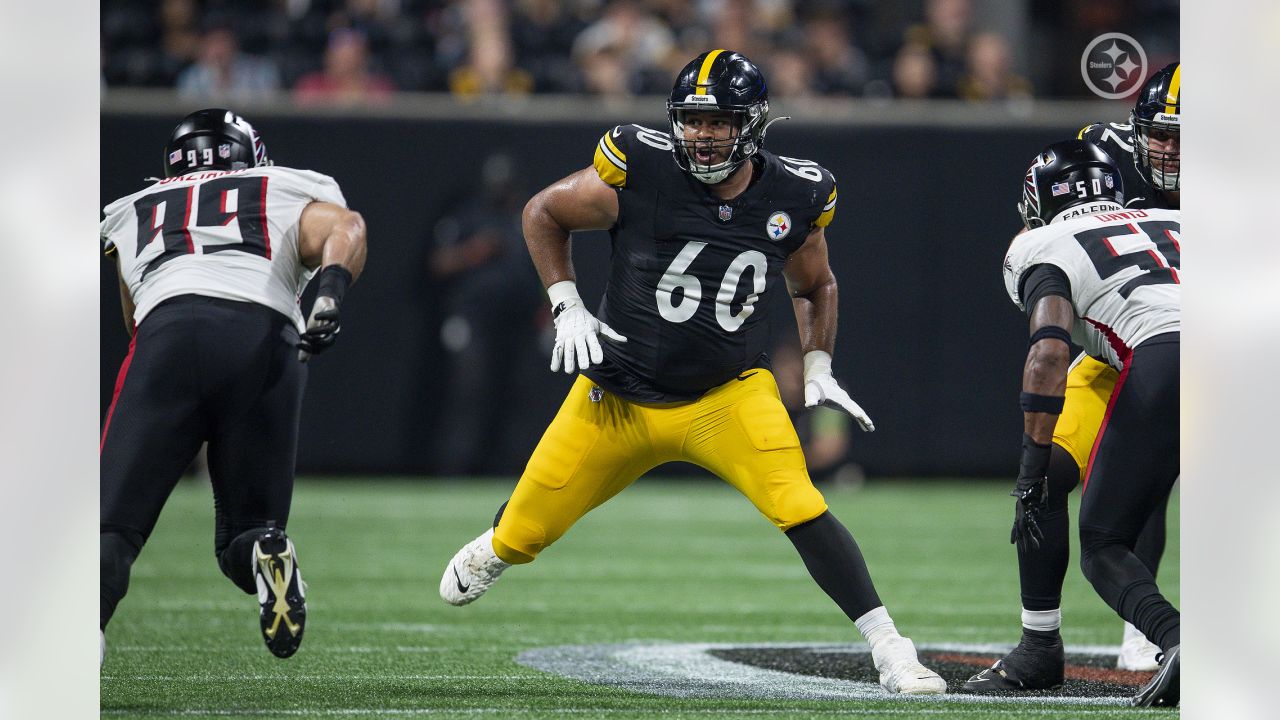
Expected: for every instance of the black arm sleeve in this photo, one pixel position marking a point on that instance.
(1042, 281)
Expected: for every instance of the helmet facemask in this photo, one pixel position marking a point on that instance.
(1158, 167)
(745, 138)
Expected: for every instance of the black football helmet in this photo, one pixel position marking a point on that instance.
(1157, 115)
(719, 80)
(213, 139)
(1065, 175)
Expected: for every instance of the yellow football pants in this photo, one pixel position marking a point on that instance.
(1089, 386)
(592, 450)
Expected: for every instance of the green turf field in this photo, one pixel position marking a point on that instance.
(666, 561)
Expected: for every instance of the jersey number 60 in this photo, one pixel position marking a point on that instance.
(675, 277)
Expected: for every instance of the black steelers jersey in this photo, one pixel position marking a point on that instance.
(1117, 140)
(690, 271)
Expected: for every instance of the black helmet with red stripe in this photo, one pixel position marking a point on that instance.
(213, 139)
(719, 81)
(1157, 118)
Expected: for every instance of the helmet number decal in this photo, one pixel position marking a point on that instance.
(1082, 190)
(676, 278)
(204, 158)
(806, 169)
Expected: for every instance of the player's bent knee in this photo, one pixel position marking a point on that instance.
(518, 541)
(800, 507)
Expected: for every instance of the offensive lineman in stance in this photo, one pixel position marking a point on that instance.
(1111, 275)
(212, 259)
(682, 373)
(1146, 153)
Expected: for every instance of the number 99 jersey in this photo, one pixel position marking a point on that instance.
(224, 234)
(1123, 268)
(689, 271)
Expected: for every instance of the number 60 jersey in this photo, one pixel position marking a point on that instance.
(689, 271)
(225, 234)
(1123, 268)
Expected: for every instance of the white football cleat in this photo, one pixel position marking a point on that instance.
(1137, 652)
(901, 671)
(471, 571)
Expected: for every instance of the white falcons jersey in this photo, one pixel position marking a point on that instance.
(1124, 272)
(229, 234)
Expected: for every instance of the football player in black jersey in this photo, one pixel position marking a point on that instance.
(673, 365)
(1146, 151)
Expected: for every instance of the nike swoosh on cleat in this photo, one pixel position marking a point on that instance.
(461, 588)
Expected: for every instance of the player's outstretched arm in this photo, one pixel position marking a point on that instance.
(815, 299)
(1044, 386)
(581, 201)
(332, 238)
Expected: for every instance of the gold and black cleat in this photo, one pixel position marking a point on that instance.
(281, 592)
(1163, 689)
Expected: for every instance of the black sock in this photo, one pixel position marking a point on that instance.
(1150, 546)
(236, 559)
(834, 561)
(1042, 570)
(117, 549)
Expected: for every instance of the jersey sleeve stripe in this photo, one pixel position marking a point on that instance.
(705, 71)
(1175, 87)
(831, 201)
(619, 158)
(608, 168)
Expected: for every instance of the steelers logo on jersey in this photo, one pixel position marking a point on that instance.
(779, 226)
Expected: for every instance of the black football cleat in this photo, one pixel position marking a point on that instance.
(1162, 690)
(1037, 663)
(281, 592)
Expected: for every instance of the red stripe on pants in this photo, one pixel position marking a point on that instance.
(115, 396)
(1102, 429)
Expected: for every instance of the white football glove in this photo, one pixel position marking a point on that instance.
(820, 388)
(577, 345)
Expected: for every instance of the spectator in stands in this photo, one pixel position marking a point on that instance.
(839, 67)
(630, 41)
(915, 72)
(945, 31)
(988, 74)
(225, 76)
(542, 33)
(488, 70)
(790, 75)
(179, 38)
(347, 78)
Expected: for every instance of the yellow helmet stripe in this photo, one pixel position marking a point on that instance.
(705, 70)
(1175, 88)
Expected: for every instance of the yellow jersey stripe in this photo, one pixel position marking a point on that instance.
(618, 154)
(607, 169)
(705, 70)
(825, 218)
(1175, 88)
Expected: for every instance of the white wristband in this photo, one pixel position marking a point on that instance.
(565, 291)
(816, 362)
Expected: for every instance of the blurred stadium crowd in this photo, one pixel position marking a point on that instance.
(354, 52)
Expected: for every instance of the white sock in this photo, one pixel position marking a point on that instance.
(876, 626)
(1042, 620)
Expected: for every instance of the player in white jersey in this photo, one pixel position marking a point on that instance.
(212, 260)
(1109, 277)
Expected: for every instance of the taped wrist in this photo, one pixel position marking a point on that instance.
(816, 362)
(563, 295)
(1034, 402)
(1035, 458)
(333, 282)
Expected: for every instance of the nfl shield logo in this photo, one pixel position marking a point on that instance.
(1109, 182)
(224, 150)
(726, 213)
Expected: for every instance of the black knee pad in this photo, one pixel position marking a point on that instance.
(117, 548)
(1064, 476)
(236, 559)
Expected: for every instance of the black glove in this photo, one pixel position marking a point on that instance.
(1032, 492)
(1033, 500)
(322, 329)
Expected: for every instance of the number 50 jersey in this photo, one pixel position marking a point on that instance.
(1123, 268)
(225, 234)
(689, 270)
